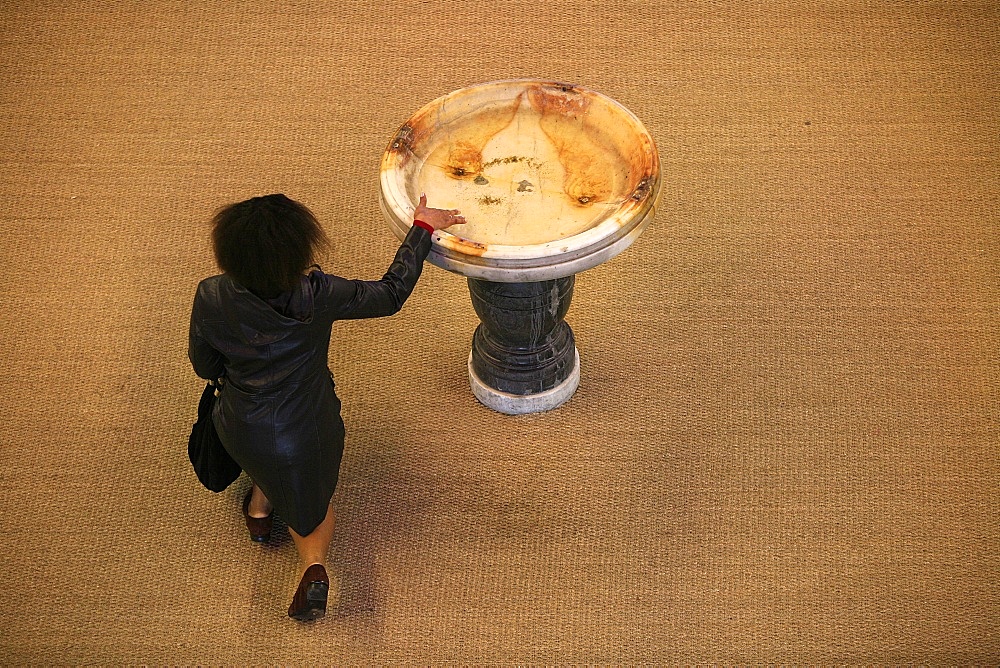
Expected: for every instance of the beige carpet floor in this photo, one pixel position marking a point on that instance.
(784, 447)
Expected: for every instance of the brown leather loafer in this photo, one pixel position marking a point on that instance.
(259, 527)
(309, 602)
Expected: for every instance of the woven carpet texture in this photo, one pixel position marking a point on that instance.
(784, 443)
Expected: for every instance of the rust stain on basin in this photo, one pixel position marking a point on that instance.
(563, 112)
(464, 156)
(466, 246)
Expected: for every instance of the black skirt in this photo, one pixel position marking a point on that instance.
(290, 442)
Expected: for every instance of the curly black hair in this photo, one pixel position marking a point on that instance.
(266, 243)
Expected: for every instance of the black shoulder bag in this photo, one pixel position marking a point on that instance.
(212, 464)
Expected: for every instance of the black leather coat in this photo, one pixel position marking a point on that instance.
(278, 413)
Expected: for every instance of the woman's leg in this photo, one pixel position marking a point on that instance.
(313, 547)
(309, 602)
(259, 505)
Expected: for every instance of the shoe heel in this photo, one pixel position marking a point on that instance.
(316, 594)
(315, 603)
(309, 602)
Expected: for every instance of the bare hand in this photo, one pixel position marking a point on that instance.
(439, 219)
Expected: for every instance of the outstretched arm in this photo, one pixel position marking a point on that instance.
(372, 299)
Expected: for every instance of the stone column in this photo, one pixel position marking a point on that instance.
(524, 357)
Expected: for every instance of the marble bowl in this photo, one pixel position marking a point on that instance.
(552, 178)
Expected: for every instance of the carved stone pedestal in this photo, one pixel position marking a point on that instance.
(552, 179)
(524, 357)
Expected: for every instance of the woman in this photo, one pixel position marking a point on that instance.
(263, 326)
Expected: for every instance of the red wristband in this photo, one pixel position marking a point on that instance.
(420, 223)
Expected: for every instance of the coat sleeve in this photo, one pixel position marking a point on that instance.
(207, 362)
(374, 299)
